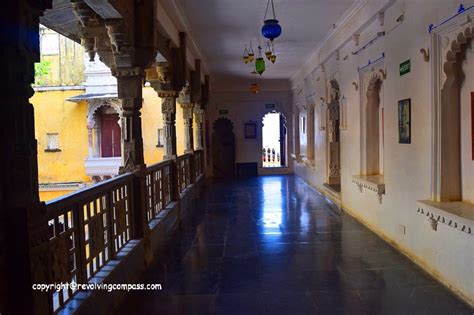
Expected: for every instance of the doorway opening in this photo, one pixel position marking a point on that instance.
(274, 151)
(223, 148)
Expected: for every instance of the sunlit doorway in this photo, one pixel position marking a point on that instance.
(274, 140)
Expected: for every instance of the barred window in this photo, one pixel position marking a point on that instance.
(52, 140)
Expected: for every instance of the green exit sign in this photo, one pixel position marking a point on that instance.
(405, 67)
(223, 111)
(270, 106)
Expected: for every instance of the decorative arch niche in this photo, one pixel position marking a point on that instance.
(333, 135)
(449, 45)
(371, 129)
(372, 121)
(95, 104)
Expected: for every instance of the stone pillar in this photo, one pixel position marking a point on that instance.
(96, 142)
(185, 102)
(129, 86)
(160, 79)
(24, 255)
(90, 129)
(198, 118)
(168, 110)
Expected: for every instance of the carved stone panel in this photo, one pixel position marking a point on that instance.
(120, 216)
(96, 235)
(59, 252)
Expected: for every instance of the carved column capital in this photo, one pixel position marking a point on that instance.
(168, 104)
(184, 98)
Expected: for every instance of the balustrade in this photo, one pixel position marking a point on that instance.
(89, 227)
(86, 230)
(158, 188)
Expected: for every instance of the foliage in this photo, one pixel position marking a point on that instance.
(42, 71)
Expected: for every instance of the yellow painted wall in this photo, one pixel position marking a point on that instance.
(152, 119)
(50, 195)
(179, 130)
(54, 114)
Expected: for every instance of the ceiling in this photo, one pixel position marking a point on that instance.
(223, 27)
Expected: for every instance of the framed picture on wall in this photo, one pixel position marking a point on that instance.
(250, 130)
(404, 121)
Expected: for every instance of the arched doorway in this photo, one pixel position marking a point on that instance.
(223, 148)
(334, 138)
(274, 142)
(105, 139)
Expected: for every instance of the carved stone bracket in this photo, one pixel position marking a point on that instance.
(373, 183)
(458, 215)
(185, 95)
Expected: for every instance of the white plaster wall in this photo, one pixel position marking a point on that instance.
(466, 133)
(447, 253)
(243, 107)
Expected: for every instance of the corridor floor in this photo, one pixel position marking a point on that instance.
(271, 245)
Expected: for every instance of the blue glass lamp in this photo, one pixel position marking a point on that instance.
(271, 29)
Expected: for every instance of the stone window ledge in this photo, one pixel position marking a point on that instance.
(457, 214)
(371, 182)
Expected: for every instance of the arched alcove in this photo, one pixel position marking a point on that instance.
(449, 170)
(374, 128)
(333, 136)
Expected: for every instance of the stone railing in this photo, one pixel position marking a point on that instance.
(185, 171)
(158, 180)
(198, 163)
(89, 228)
(86, 230)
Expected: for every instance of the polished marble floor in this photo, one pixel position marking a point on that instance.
(271, 245)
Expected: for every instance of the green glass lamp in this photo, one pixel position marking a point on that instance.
(260, 65)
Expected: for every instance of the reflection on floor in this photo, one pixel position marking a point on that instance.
(269, 245)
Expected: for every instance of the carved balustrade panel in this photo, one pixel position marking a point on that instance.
(86, 230)
(157, 180)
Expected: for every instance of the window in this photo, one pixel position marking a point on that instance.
(52, 142)
(160, 138)
(303, 125)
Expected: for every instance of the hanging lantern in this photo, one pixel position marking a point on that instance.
(260, 62)
(251, 54)
(268, 52)
(260, 65)
(271, 29)
(245, 57)
(254, 88)
(273, 57)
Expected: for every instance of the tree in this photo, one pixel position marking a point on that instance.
(42, 70)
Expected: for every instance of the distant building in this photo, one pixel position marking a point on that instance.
(77, 119)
